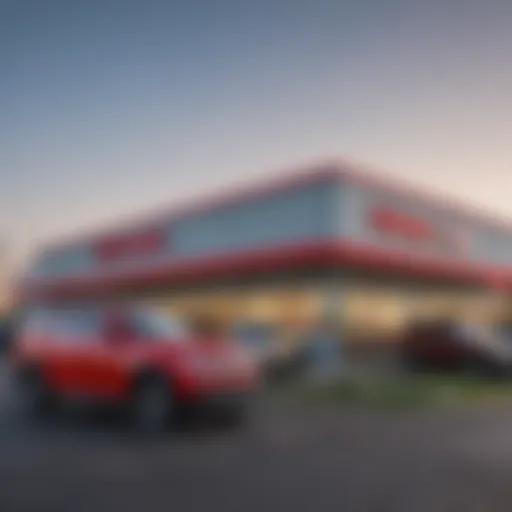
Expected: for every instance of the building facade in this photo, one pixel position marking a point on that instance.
(327, 240)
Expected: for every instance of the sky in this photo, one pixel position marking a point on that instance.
(108, 107)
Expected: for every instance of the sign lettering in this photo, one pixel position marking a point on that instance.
(120, 247)
(406, 227)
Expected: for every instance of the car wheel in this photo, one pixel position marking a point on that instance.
(153, 405)
(34, 397)
(239, 414)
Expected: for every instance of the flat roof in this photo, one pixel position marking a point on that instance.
(330, 254)
(334, 169)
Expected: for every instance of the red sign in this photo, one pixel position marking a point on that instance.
(405, 226)
(400, 224)
(120, 247)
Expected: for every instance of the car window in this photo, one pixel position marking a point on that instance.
(79, 324)
(64, 325)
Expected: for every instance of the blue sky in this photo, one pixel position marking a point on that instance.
(113, 107)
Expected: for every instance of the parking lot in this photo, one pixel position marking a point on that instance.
(288, 459)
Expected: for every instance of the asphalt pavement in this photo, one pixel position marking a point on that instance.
(287, 459)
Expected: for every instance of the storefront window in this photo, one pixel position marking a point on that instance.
(289, 310)
(374, 315)
(380, 314)
(366, 313)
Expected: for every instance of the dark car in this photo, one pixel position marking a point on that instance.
(451, 346)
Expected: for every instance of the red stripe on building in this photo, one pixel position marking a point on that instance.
(311, 255)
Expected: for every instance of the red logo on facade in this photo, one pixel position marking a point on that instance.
(120, 247)
(407, 227)
(392, 222)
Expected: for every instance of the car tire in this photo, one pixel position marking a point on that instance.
(238, 415)
(34, 397)
(153, 406)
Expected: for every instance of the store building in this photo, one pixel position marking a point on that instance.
(328, 239)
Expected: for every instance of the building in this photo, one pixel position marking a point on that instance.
(328, 239)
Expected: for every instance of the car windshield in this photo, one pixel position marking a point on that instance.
(63, 324)
(475, 333)
(155, 325)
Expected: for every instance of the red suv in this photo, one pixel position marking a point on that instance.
(128, 356)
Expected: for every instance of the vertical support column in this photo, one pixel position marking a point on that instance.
(327, 342)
